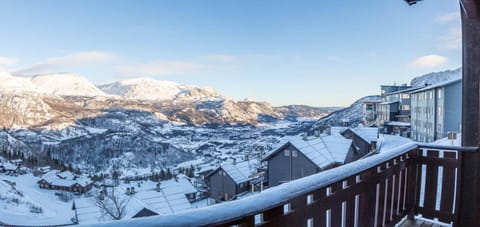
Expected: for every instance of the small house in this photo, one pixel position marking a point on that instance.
(300, 156)
(230, 179)
(364, 141)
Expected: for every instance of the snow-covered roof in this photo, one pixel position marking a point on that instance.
(66, 179)
(9, 166)
(390, 142)
(170, 199)
(398, 123)
(446, 142)
(440, 84)
(240, 171)
(408, 90)
(323, 151)
(369, 134)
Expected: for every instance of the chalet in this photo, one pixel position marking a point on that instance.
(8, 168)
(300, 156)
(364, 141)
(230, 179)
(41, 170)
(66, 181)
(17, 162)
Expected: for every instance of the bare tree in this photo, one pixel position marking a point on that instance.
(112, 205)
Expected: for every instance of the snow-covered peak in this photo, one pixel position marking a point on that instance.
(66, 84)
(17, 84)
(5, 74)
(151, 89)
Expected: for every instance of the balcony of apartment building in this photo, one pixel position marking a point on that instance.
(413, 183)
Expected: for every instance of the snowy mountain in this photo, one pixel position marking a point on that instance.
(155, 123)
(352, 114)
(9, 83)
(66, 84)
(435, 77)
(156, 90)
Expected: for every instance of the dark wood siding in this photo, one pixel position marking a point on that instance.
(358, 149)
(283, 168)
(221, 185)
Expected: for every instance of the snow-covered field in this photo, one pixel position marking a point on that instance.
(19, 194)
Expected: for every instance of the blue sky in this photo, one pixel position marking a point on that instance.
(321, 53)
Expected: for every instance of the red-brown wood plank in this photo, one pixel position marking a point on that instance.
(448, 187)
(412, 189)
(336, 208)
(430, 193)
(366, 211)
(350, 205)
(319, 209)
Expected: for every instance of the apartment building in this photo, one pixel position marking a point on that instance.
(436, 110)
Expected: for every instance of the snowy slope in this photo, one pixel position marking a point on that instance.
(151, 89)
(66, 84)
(436, 77)
(351, 114)
(17, 84)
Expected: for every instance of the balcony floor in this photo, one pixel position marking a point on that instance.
(417, 223)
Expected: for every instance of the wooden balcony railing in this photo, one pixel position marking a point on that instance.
(412, 180)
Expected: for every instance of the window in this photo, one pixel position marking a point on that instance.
(406, 107)
(405, 96)
(294, 153)
(286, 152)
(439, 93)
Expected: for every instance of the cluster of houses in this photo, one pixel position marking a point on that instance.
(12, 167)
(424, 114)
(297, 157)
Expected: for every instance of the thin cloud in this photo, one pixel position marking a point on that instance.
(448, 17)
(80, 59)
(221, 58)
(429, 61)
(452, 39)
(7, 61)
(160, 68)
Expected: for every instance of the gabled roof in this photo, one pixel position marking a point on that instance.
(144, 212)
(239, 172)
(323, 151)
(170, 199)
(440, 84)
(368, 134)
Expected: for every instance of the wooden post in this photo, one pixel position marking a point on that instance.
(469, 196)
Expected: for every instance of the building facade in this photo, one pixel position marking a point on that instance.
(436, 110)
(394, 113)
